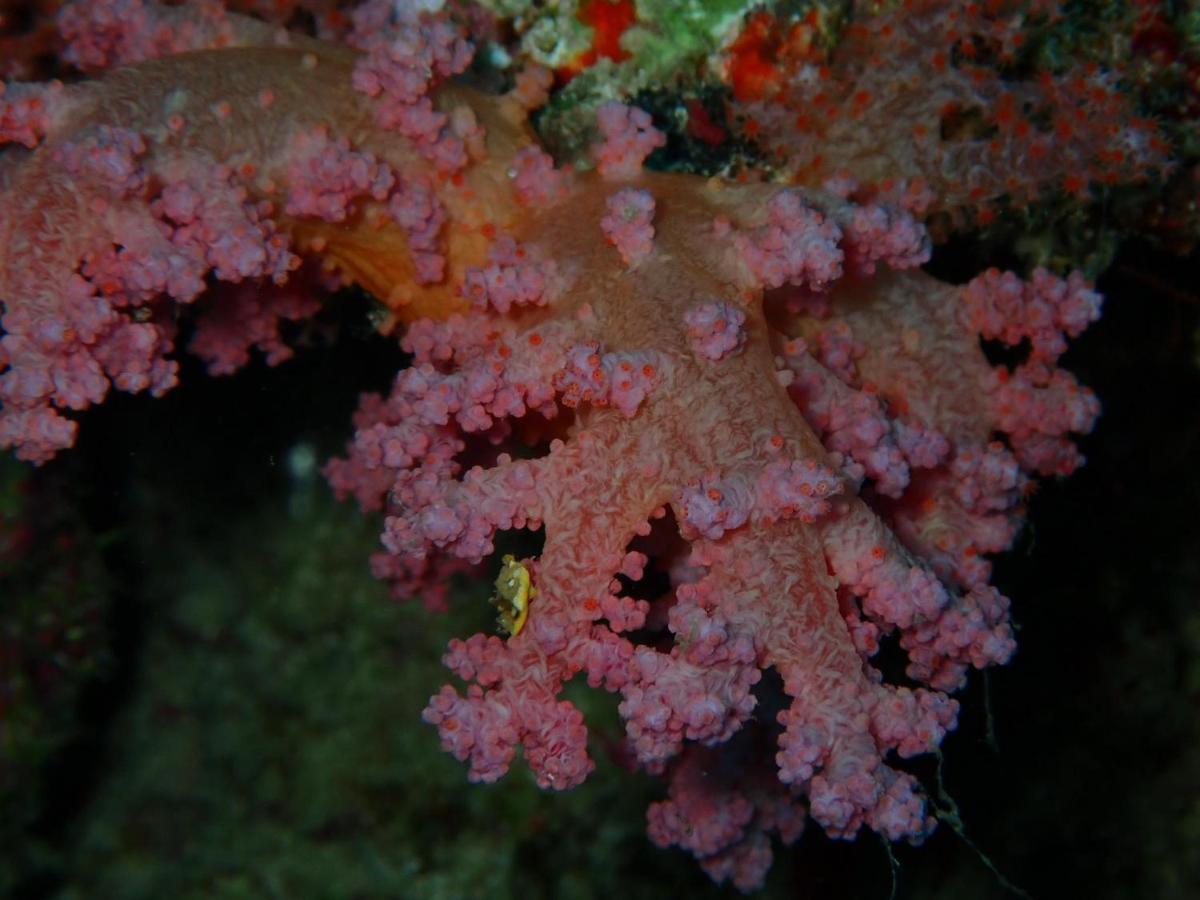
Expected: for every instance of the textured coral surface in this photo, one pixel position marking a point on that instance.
(752, 434)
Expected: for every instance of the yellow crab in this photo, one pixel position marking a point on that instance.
(514, 590)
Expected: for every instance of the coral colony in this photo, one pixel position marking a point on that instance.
(746, 391)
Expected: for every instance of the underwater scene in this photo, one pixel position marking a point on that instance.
(511, 448)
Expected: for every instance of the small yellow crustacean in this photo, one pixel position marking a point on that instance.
(514, 590)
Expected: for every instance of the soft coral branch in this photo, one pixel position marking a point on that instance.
(223, 164)
(760, 366)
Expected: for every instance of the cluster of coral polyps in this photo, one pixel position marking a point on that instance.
(747, 395)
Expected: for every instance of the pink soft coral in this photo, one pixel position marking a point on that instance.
(752, 390)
